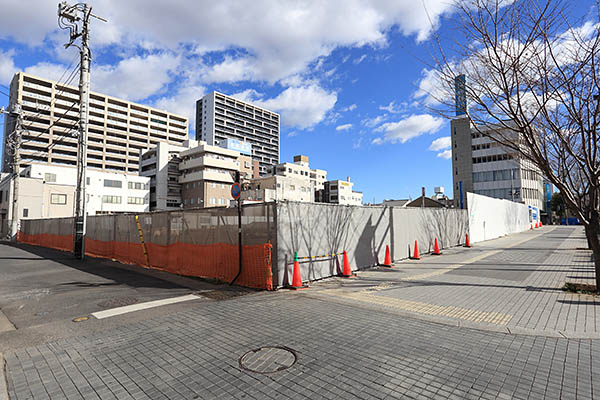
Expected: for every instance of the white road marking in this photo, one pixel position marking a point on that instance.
(143, 306)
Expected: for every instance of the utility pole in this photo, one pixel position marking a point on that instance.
(68, 18)
(16, 111)
(14, 143)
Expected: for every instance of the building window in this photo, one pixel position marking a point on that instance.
(25, 212)
(214, 185)
(292, 187)
(135, 200)
(136, 185)
(199, 201)
(49, 177)
(113, 183)
(213, 200)
(221, 201)
(56, 198)
(111, 199)
(87, 180)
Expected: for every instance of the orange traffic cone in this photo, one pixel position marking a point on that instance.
(540, 224)
(415, 255)
(346, 271)
(531, 227)
(387, 262)
(467, 241)
(436, 249)
(297, 279)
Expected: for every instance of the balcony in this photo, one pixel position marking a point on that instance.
(206, 175)
(208, 162)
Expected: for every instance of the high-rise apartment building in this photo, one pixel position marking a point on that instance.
(483, 166)
(219, 117)
(118, 129)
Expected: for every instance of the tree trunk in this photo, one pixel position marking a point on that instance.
(593, 234)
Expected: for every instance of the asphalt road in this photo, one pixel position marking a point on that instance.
(43, 290)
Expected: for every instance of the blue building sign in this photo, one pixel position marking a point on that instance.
(237, 145)
(460, 93)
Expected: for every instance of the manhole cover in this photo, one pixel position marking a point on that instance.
(268, 359)
(118, 302)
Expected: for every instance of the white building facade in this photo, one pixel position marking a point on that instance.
(46, 191)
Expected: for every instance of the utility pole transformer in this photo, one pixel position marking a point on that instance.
(68, 18)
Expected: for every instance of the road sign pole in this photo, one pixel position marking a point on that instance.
(236, 192)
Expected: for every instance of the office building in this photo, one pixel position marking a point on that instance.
(483, 166)
(220, 117)
(47, 191)
(118, 129)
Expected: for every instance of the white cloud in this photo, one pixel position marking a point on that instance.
(432, 90)
(373, 122)
(183, 103)
(377, 141)
(446, 154)
(351, 107)
(357, 61)
(301, 107)
(441, 143)
(275, 39)
(248, 95)
(135, 78)
(7, 67)
(410, 127)
(344, 127)
(52, 71)
(394, 108)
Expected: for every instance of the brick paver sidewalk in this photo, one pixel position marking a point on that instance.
(511, 284)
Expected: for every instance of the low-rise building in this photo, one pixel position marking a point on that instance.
(47, 191)
(161, 165)
(207, 173)
(196, 174)
(340, 192)
(287, 181)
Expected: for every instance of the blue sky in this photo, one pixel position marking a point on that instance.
(349, 78)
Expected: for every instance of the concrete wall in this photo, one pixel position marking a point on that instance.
(490, 218)
(322, 229)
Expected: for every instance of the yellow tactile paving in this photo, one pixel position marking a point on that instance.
(425, 308)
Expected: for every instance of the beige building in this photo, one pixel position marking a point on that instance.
(118, 129)
(207, 173)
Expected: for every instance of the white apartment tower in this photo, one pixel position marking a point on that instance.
(220, 117)
(118, 129)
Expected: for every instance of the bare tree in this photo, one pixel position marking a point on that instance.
(533, 86)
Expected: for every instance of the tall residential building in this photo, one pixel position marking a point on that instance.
(219, 117)
(118, 129)
(481, 165)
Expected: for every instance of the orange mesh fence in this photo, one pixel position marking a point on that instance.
(59, 242)
(216, 261)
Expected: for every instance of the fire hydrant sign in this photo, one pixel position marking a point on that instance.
(236, 190)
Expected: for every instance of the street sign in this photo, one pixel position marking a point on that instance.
(236, 190)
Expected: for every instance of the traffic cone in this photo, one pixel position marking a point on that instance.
(467, 241)
(436, 249)
(346, 271)
(415, 255)
(387, 262)
(531, 227)
(297, 279)
(540, 224)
